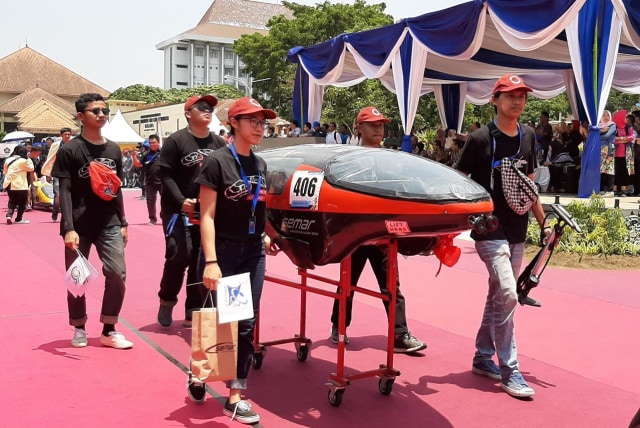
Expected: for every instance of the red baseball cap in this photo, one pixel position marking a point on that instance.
(371, 114)
(249, 106)
(510, 82)
(209, 99)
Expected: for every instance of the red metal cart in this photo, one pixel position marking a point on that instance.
(338, 381)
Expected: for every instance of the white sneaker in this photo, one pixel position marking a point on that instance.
(116, 340)
(79, 338)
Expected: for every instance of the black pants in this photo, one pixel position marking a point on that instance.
(606, 182)
(622, 174)
(378, 260)
(636, 177)
(17, 200)
(152, 196)
(181, 254)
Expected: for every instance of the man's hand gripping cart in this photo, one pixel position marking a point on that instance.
(530, 276)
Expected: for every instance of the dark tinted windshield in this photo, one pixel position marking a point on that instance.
(400, 175)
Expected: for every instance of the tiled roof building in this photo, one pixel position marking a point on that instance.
(204, 54)
(30, 80)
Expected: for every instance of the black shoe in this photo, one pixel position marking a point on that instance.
(334, 335)
(197, 391)
(241, 411)
(54, 217)
(165, 315)
(407, 344)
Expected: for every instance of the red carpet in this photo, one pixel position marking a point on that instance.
(580, 351)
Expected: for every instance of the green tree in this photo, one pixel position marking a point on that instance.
(621, 101)
(152, 94)
(139, 92)
(265, 56)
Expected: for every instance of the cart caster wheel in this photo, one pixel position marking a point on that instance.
(302, 352)
(335, 397)
(385, 386)
(256, 363)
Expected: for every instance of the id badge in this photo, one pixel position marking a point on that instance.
(252, 226)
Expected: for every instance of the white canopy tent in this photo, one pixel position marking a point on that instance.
(119, 131)
(582, 46)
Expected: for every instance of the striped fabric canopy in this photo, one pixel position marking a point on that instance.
(582, 46)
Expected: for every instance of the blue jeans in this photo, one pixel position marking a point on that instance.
(236, 257)
(497, 330)
(110, 248)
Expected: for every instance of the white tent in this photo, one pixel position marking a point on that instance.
(216, 125)
(119, 131)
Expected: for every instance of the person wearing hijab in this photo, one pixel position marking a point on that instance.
(607, 142)
(16, 169)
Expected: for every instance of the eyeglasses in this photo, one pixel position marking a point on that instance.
(255, 122)
(202, 108)
(96, 111)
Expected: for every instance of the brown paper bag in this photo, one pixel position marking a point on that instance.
(214, 347)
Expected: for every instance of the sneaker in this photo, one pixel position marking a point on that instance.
(187, 323)
(407, 343)
(116, 340)
(335, 336)
(152, 222)
(22, 221)
(9, 221)
(241, 411)
(196, 391)
(516, 386)
(486, 368)
(79, 338)
(165, 315)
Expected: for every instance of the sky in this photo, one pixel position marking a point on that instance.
(113, 43)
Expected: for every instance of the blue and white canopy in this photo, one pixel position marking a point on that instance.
(582, 46)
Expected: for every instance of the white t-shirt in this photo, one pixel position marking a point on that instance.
(333, 138)
(354, 140)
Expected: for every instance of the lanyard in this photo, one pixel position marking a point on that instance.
(496, 163)
(247, 185)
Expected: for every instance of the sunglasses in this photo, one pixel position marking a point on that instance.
(203, 108)
(96, 111)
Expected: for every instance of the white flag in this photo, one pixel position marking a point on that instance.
(234, 299)
(78, 275)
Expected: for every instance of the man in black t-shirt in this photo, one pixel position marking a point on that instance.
(88, 220)
(502, 250)
(153, 181)
(370, 123)
(182, 156)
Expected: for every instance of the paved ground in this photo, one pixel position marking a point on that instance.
(580, 351)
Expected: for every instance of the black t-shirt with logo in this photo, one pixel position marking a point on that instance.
(476, 159)
(90, 213)
(181, 159)
(221, 173)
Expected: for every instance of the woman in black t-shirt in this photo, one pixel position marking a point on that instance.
(233, 213)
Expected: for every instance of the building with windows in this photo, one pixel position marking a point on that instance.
(204, 54)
